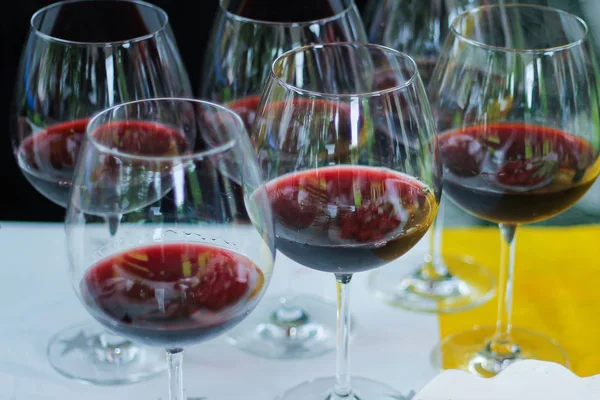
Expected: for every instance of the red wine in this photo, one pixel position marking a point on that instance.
(47, 158)
(147, 139)
(172, 294)
(347, 219)
(293, 11)
(516, 172)
(246, 108)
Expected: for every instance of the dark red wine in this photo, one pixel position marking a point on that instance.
(47, 158)
(516, 172)
(294, 11)
(147, 139)
(172, 294)
(246, 108)
(347, 219)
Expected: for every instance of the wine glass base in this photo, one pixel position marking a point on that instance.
(322, 389)
(469, 286)
(467, 351)
(309, 334)
(77, 353)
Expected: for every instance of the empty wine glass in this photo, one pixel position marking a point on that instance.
(346, 140)
(179, 260)
(442, 283)
(81, 57)
(515, 97)
(247, 37)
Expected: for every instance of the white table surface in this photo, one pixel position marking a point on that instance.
(36, 301)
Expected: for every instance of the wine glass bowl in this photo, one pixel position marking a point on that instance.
(179, 267)
(440, 283)
(246, 38)
(79, 58)
(353, 172)
(515, 100)
(414, 27)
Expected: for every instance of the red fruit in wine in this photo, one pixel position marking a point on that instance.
(221, 284)
(369, 222)
(296, 206)
(522, 173)
(463, 155)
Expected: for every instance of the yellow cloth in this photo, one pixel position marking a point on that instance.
(557, 286)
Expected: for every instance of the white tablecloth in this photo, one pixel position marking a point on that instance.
(36, 301)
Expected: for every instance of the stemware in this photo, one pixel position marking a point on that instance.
(247, 37)
(346, 140)
(81, 57)
(442, 283)
(515, 98)
(160, 252)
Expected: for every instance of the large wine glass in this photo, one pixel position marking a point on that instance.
(247, 37)
(159, 249)
(81, 57)
(515, 97)
(442, 283)
(346, 140)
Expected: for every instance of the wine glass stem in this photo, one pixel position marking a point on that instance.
(342, 388)
(502, 343)
(434, 267)
(436, 241)
(175, 360)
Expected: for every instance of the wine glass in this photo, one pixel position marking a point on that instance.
(247, 37)
(180, 260)
(441, 283)
(346, 140)
(81, 57)
(515, 97)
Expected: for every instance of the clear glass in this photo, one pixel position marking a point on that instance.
(160, 250)
(440, 283)
(515, 98)
(354, 176)
(247, 37)
(81, 57)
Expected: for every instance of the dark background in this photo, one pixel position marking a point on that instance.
(191, 22)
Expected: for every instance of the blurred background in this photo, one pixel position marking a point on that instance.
(191, 22)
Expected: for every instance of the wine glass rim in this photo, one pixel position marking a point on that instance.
(483, 45)
(240, 18)
(136, 39)
(198, 155)
(407, 83)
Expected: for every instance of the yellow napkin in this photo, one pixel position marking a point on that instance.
(557, 286)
